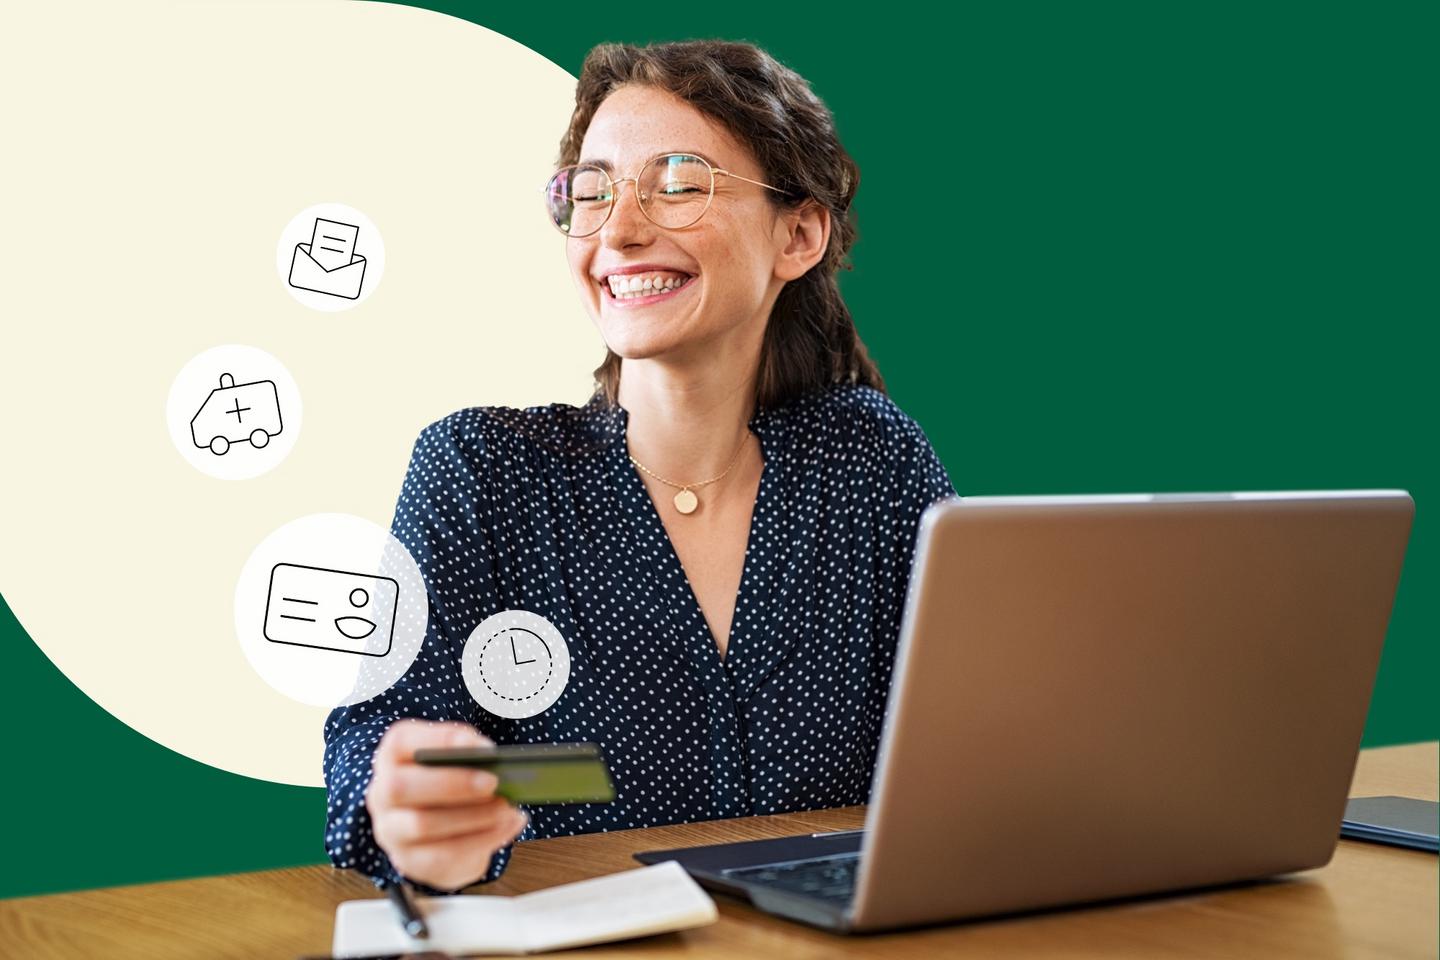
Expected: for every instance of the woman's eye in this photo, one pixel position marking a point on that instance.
(673, 188)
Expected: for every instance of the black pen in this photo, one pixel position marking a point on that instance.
(409, 916)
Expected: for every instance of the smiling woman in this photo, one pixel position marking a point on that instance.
(736, 109)
(721, 537)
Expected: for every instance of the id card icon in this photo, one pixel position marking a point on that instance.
(331, 609)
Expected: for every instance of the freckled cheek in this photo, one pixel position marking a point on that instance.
(735, 283)
(728, 254)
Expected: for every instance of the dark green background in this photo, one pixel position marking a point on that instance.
(1103, 247)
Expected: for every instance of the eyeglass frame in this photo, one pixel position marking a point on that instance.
(615, 194)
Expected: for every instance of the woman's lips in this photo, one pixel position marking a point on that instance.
(629, 302)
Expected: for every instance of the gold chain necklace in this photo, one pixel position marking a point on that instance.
(685, 500)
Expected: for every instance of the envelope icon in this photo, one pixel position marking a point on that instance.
(331, 609)
(307, 274)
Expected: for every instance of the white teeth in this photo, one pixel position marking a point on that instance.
(630, 286)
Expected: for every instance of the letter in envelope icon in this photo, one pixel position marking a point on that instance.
(328, 263)
(331, 609)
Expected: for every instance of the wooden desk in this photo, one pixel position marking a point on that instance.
(1370, 901)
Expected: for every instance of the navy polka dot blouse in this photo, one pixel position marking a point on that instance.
(540, 509)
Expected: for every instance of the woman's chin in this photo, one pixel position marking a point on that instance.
(632, 339)
(640, 348)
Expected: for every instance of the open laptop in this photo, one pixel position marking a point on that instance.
(1098, 697)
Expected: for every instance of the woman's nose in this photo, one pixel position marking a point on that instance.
(627, 222)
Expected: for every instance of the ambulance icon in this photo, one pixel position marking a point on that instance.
(237, 413)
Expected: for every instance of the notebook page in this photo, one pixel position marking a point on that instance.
(634, 903)
(463, 924)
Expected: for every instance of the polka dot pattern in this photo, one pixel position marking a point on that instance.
(540, 509)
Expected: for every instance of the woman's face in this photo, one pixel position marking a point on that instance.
(727, 259)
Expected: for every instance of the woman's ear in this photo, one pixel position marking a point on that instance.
(806, 234)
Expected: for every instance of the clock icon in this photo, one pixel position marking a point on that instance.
(515, 664)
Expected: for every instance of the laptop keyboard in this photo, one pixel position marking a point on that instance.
(829, 878)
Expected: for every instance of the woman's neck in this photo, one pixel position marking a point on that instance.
(686, 425)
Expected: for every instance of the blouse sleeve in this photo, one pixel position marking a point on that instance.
(917, 480)
(923, 481)
(439, 519)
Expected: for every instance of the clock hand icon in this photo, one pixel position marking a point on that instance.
(515, 656)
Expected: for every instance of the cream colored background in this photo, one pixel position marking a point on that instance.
(154, 152)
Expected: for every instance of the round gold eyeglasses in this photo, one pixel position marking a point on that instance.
(674, 190)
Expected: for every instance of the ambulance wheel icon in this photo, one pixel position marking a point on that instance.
(236, 413)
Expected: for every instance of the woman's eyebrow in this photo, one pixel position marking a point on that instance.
(609, 167)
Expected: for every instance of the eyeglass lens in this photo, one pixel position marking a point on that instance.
(673, 191)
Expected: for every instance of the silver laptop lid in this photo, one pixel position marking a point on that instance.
(1101, 696)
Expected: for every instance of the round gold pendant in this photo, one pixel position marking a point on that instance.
(686, 502)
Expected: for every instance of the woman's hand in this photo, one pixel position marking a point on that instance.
(439, 825)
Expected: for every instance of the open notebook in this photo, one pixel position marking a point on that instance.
(633, 903)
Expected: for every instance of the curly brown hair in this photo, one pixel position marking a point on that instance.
(810, 340)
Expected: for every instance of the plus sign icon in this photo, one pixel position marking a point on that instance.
(234, 412)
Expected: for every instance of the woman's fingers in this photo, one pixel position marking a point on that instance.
(411, 785)
(438, 825)
(399, 781)
(404, 737)
(427, 824)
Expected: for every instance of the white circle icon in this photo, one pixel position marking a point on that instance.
(330, 257)
(515, 664)
(234, 412)
(331, 609)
